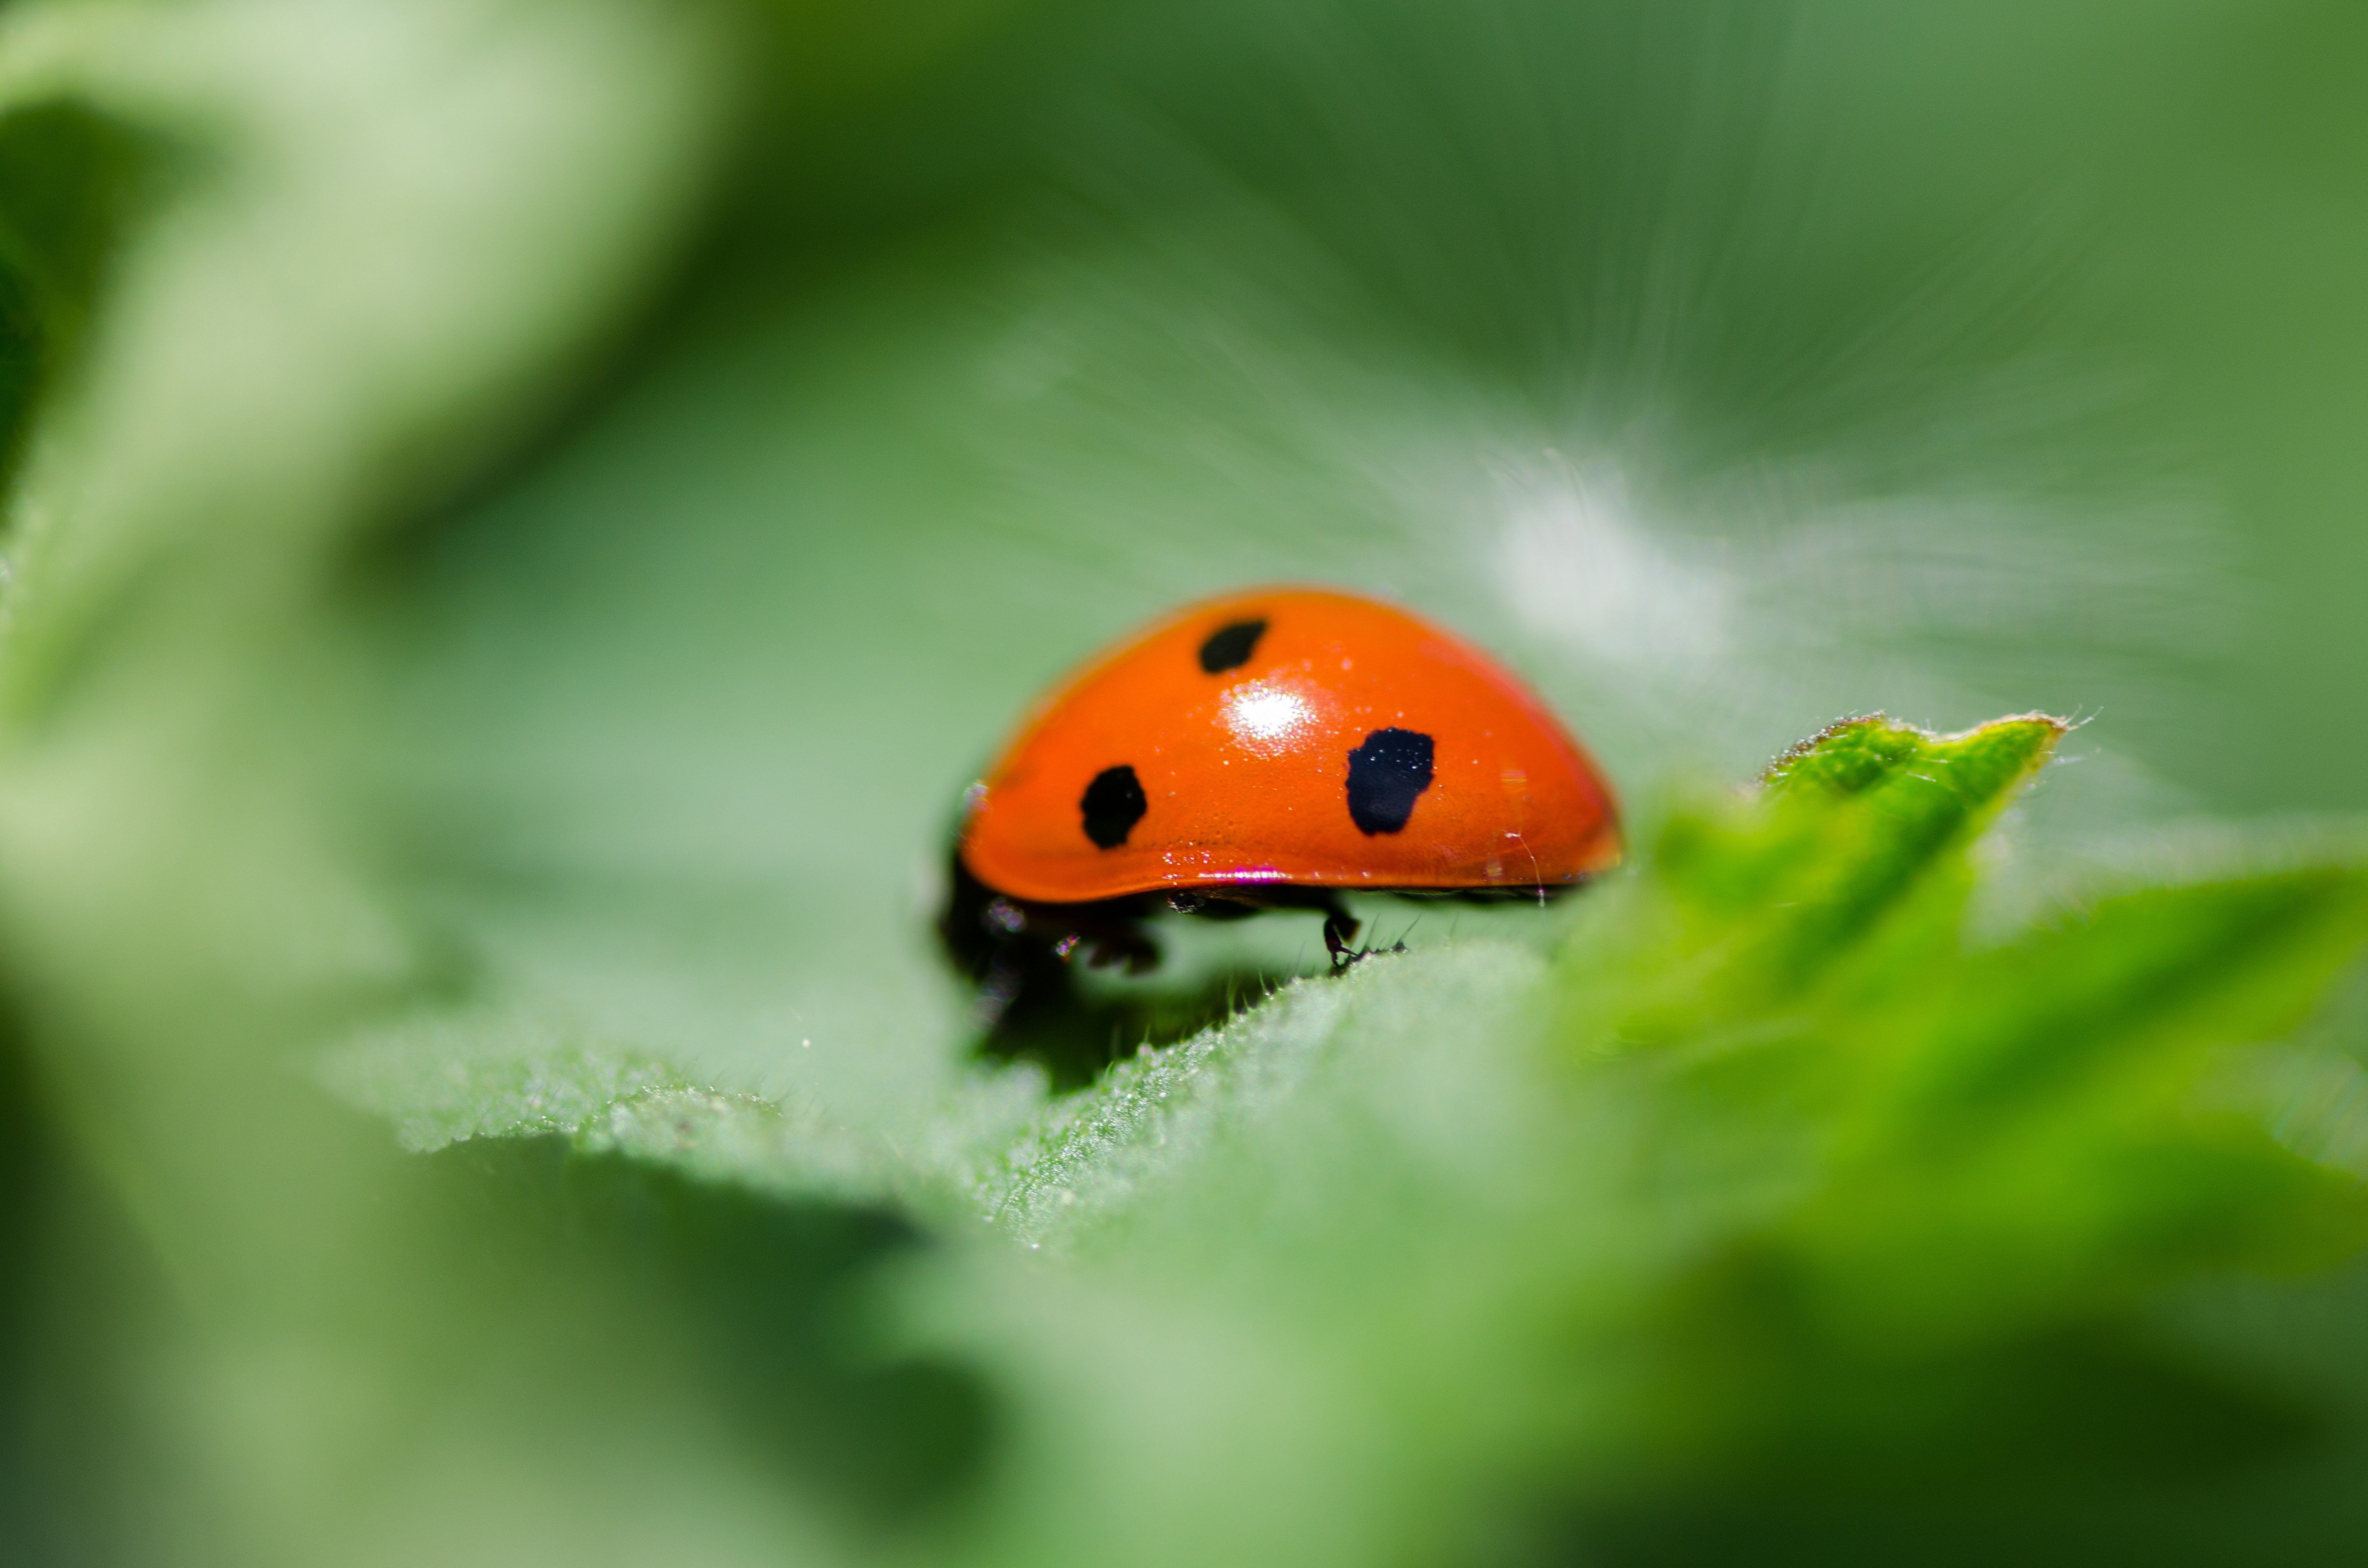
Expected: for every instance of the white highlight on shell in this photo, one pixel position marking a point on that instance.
(1266, 718)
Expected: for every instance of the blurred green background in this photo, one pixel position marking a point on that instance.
(525, 514)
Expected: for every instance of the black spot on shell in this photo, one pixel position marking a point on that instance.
(1385, 775)
(1113, 803)
(1230, 647)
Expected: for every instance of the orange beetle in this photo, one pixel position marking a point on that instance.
(1264, 750)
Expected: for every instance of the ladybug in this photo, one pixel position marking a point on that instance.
(1267, 750)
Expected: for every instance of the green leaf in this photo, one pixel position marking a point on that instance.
(1764, 904)
(526, 512)
(1872, 1207)
(1967, 1159)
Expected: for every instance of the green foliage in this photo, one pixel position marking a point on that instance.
(522, 515)
(74, 180)
(1987, 1156)
(1818, 1205)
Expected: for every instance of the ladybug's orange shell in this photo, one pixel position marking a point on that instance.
(1244, 773)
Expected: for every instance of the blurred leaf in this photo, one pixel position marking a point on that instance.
(71, 182)
(293, 268)
(763, 1297)
(1819, 1202)
(498, 639)
(1997, 1155)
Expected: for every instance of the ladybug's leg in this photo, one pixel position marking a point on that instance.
(1339, 930)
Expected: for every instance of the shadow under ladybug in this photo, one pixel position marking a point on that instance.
(1030, 1001)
